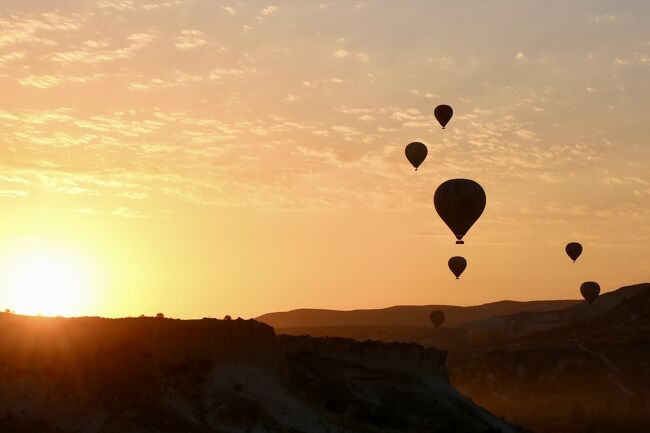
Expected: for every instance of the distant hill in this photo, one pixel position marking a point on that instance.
(149, 375)
(554, 366)
(407, 316)
(587, 365)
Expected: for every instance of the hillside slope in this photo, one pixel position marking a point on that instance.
(410, 315)
(588, 367)
(150, 375)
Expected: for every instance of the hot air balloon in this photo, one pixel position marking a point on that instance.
(437, 318)
(573, 249)
(416, 153)
(590, 291)
(457, 265)
(459, 202)
(443, 114)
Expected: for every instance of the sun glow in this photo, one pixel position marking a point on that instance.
(48, 282)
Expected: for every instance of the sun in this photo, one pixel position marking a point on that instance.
(51, 282)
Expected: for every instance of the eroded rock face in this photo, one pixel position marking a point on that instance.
(160, 375)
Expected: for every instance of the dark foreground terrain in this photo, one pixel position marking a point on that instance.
(574, 369)
(152, 375)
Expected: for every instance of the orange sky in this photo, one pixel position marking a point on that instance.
(209, 158)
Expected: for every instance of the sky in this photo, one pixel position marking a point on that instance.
(202, 158)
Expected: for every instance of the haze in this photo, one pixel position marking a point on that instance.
(203, 158)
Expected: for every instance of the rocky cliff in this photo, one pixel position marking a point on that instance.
(92, 375)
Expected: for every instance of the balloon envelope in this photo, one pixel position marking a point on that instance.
(416, 153)
(443, 114)
(573, 249)
(437, 318)
(457, 265)
(590, 291)
(460, 203)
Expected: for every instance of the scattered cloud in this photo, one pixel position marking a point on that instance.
(220, 73)
(606, 18)
(47, 81)
(118, 5)
(37, 29)
(364, 57)
(269, 10)
(189, 39)
(89, 55)
(341, 53)
(11, 57)
(176, 79)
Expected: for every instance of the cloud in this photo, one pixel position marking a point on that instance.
(220, 73)
(364, 57)
(269, 10)
(16, 29)
(127, 5)
(634, 59)
(12, 193)
(441, 61)
(118, 5)
(606, 18)
(189, 39)
(341, 53)
(229, 9)
(47, 81)
(136, 42)
(11, 57)
(156, 6)
(178, 79)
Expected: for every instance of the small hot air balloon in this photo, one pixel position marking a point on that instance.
(573, 249)
(437, 318)
(416, 153)
(459, 202)
(443, 114)
(590, 291)
(457, 265)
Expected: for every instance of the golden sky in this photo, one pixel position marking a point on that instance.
(202, 158)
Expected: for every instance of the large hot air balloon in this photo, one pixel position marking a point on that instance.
(416, 153)
(590, 291)
(459, 202)
(457, 265)
(573, 249)
(443, 114)
(437, 318)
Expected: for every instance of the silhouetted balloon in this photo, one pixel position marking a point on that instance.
(590, 291)
(457, 265)
(573, 249)
(459, 202)
(437, 318)
(443, 113)
(416, 153)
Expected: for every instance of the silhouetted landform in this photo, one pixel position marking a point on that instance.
(408, 315)
(582, 368)
(160, 375)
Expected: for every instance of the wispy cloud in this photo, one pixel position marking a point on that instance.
(47, 81)
(90, 55)
(189, 39)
